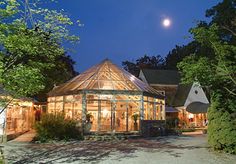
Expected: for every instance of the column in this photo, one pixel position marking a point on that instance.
(84, 109)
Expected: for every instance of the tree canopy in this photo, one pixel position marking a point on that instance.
(218, 72)
(145, 62)
(31, 51)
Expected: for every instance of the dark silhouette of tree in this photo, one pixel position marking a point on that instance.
(145, 62)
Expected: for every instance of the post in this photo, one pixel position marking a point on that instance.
(113, 127)
(155, 109)
(141, 112)
(127, 118)
(84, 111)
(99, 116)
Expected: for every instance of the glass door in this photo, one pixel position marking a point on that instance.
(106, 116)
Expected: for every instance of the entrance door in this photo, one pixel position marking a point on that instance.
(121, 118)
(111, 117)
(106, 116)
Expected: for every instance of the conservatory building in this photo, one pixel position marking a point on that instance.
(115, 100)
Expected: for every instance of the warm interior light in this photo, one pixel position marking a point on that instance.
(190, 116)
(105, 112)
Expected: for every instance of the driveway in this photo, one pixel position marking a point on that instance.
(172, 149)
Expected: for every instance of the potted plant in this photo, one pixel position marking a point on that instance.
(135, 117)
(88, 123)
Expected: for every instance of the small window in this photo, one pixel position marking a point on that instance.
(196, 92)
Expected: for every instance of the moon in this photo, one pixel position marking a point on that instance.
(166, 22)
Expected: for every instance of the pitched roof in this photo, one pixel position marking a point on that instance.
(163, 77)
(104, 76)
(181, 95)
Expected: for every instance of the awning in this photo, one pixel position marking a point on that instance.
(197, 107)
(171, 110)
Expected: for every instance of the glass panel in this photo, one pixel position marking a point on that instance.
(158, 112)
(145, 98)
(68, 110)
(51, 99)
(77, 97)
(77, 113)
(105, 97)
(151, 111)
(69, 98)
(93, 85)
(133, 116)
(51, 107)
(59, 107)
(92, 108)
(150, 99)
(59, 98)
(105, 116)
(134, 98)
(91, 96)
(121, 116)
(145, 111)
(104, 76)
(106, 85)
(120, 85)
(121, 97)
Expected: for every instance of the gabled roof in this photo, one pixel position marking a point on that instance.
(162, 77)
(104, 76)
(181, 95)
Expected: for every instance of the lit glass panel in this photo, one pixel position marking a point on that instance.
(133, 116)
(92, 108)
(59, 98)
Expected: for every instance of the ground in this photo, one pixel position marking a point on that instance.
(190, 148)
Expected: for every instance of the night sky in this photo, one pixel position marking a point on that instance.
(127, 29)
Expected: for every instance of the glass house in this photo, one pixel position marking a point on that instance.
(116, 99)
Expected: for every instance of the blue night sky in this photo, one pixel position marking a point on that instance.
(127, 29)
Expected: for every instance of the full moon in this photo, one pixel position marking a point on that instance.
(166, 22)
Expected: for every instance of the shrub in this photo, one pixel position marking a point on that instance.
(56, 127)
(222, 124)
(172, 122)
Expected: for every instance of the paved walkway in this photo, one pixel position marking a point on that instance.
(173, 149)
(26, 137)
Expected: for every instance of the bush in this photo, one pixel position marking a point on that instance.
(222, 124)
(172, 122)
(56, 127)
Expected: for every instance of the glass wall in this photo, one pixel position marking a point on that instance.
(108, 112)
(20, 117)
(153, 109)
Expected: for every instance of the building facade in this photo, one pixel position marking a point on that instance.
(112, 99)
(188, 103)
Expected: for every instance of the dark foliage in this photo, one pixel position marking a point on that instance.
(145, 62)
(56, 127)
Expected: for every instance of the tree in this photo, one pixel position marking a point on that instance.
(145, 62)
(224, 15)
(177, 54)
(218, 71)
(62, 71)
(31, 41)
